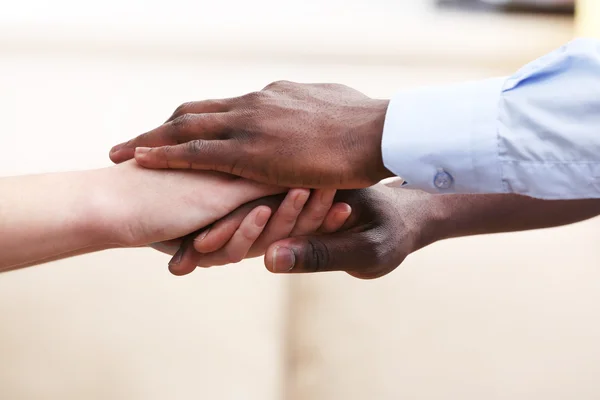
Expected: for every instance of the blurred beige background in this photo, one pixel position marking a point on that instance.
(496, 317)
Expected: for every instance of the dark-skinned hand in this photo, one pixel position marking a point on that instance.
(288, 134)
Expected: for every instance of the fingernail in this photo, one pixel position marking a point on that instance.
(301, 200)
(117, 148)
(262, 218)
(324, 197)
(201, 237)
(176, 258)
(141, 151)
(347, 209)
(283, 260)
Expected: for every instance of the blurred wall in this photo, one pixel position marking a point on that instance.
(588, 17)
(505, 316)
(115, 325)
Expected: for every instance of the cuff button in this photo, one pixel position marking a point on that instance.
(443, 180)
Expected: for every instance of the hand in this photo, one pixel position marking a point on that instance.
(248, 231)
(135, 206)
(288, 134)
(386, 225)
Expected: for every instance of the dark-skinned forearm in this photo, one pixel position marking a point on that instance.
(465, 215)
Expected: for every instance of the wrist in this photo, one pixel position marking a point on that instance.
(99, 206)
(434, 215)
(133, 206)
(447, 219)
(376, 167)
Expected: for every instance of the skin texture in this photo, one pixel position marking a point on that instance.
(288, 134)
(66, 214)
(329, 136)
(250, 229)
(387, 224)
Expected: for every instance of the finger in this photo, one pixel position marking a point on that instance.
(214, 155)
(223, 230)
(178, 265)
(200, 107)
(241, 242)
(187, 262)
(283, 221)
(217, 236)
(236, 249)
(182, 129)
(336, 218)
(344, 251)
(169, 247)
(245, 233)
(315, 211)
(125, 151)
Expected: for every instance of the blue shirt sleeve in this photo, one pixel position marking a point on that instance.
(535, 133)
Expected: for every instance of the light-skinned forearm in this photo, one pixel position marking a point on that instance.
(44, 217)
(52, 216)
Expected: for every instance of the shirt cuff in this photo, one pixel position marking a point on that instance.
(445, 139)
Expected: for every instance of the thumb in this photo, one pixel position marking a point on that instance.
(352, 252)
(198, 154)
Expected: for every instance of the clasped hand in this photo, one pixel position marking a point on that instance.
(321, 136)
(249, 230)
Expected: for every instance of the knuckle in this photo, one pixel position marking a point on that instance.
(243, 121)
(382, 256)
(193, 147)
(183, 109)
(373, 249)
(276, 84)
(218, 104)
(317, 255)
(252, 97)
(183, 122)
(288, 216)
(317, 215)
(249, 235)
